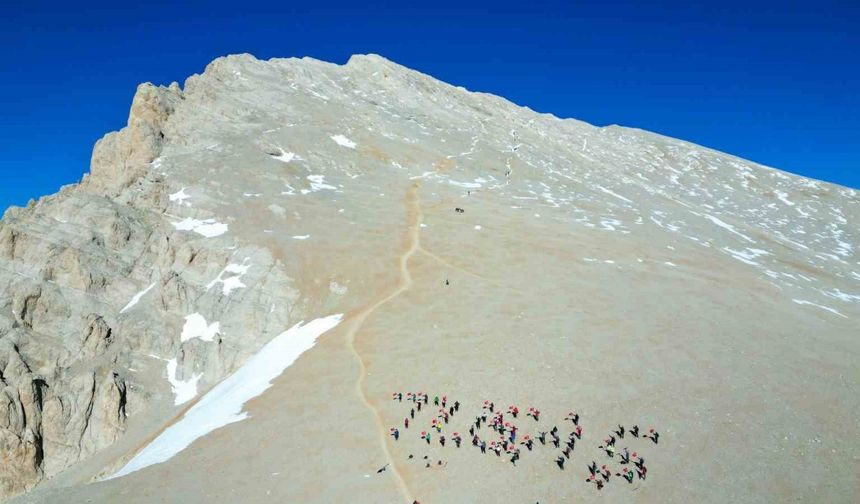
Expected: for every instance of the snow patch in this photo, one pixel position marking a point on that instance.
(223, 404)
(284, 156)
(136, 298)
(185, 390)
(207, 227)
(180, 196)
(230, 283)
(344, 141)
(607, 191)
(196, 327)
(810, 303)
(747, 255)
(728, 227)
(318, 184)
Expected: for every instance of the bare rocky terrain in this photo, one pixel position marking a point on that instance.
(475, 248)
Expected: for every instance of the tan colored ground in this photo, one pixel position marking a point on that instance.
(735, 384)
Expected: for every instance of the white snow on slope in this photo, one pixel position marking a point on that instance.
(196, 327)
(207, 227)
(344, 141)
(607, 191)
(318, 184)
(747, 255)
(285, 156)
(727, 227)
(136, 298)
(180, 196)
(183, 390)
(810, 303)
(223, 404)
(230, 283)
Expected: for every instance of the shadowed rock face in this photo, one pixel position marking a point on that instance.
(263, 193)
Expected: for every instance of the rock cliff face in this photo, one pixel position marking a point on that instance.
(70, 335)
(261, 193)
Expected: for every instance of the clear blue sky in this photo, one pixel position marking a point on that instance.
(778, 84)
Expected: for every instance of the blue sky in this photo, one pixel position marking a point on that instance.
(775, 83)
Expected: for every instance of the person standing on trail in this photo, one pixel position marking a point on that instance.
(578, 432)
(396, 434)
(560, 461)
(412, 413)
(442, 441)
(542, 437)
(605, 472)
(456, 405)
(444, 400)
(653, 435)
(436, 401)
(405, 423)
(483, 447)
(400, 397)
(419, 406)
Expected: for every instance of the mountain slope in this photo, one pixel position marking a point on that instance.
(632, 277)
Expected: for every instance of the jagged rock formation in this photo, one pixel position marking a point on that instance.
(262, 193)
(69, 263)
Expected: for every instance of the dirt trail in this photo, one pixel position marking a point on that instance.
(411, 245)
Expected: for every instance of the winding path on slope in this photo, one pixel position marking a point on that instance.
(413, 245)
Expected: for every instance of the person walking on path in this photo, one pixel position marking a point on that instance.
(605, 472)
(405, 423)
(653, 435)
